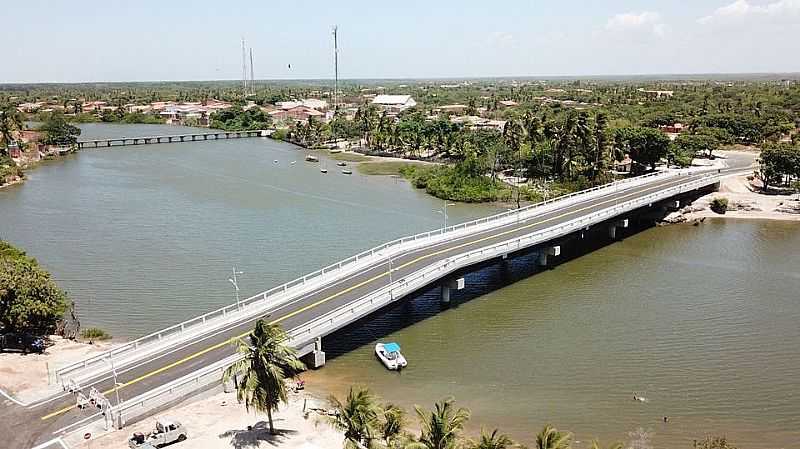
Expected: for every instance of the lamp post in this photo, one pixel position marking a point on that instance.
(235, 283)
(116, 392)
(443, 211)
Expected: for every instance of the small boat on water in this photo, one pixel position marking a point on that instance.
(341, 164)
(275, 161)
(347, 172)
(311, 158)
(293, 162)
(389, 354)
(323, 170)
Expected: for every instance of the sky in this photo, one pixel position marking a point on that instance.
(146, 40)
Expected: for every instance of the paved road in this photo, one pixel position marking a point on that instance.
(43, 421)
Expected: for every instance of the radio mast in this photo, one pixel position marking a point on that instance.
(252, 77)
(244, 69)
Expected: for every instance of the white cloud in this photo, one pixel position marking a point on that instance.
(644, 21)
(743, 10)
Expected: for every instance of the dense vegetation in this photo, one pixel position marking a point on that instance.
(780, 165)
(238, 119)
(557, 134)
(29, 299)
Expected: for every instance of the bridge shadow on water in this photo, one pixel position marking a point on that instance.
(480, 280)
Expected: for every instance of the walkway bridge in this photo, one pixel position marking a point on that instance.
(147, 140)
(172, 363)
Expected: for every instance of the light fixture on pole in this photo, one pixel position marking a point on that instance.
(235, 283)
(443, 211)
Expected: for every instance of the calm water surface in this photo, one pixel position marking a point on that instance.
(703, 321)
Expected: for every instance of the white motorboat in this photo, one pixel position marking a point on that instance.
(389, 354)
(347, 172)
(311, 158)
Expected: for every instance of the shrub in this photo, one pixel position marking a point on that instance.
(280, 134)
(719, 205)
(95, 333)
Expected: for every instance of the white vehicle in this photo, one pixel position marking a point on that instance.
(389, 354)
(167, 431)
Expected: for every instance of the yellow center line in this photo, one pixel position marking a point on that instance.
(336, 295)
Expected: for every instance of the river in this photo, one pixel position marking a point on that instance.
(703, 321)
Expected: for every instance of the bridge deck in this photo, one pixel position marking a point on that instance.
(175, 362)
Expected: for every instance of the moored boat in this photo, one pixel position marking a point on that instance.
(389, 354)
(347, 172)
(311, 158)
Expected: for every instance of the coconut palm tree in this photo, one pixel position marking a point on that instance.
(357, 417)
(440, 427)
(596, 445)
(551, 438)
(393, 423)
(260, 377)
(494, 440)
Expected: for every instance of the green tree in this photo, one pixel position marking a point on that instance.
(551, 438)
(646, 146)
(393, 424)
(29, 299)
(494, 440)
(262, 373)
(358, 417)
(697, 144)
(10, 125)
(440, 427)
(58, 132)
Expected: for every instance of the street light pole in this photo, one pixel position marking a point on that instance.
(116, 392)
(444, 212)
(235, 283)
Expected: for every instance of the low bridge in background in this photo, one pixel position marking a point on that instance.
(147, 140)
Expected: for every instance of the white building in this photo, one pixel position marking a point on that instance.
(394, 103)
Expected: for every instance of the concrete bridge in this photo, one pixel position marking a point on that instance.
(167, 365)
(217, 135)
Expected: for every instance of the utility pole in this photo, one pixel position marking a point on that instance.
(335, 80)
(252, 76)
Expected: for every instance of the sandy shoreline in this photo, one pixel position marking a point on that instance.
(29, 377)
(216, 420)
(744, 202)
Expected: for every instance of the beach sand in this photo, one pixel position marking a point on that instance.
(29, 377)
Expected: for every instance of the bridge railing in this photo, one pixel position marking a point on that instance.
(277, 296)
(380, 297)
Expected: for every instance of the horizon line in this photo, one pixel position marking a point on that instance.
(618, 77)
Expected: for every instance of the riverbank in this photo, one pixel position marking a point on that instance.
(744, 202)
(219, 421)
(30, 377)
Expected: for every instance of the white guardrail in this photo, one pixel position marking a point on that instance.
(275, 297)
(340, 317)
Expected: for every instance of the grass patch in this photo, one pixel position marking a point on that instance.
(349, 157)
(95, 333)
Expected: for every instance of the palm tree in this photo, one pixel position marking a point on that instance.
(394, 420)
(494, 440)
(357, 417)
(551, 438)
(441, 426)
(596, 445)
(261, 375)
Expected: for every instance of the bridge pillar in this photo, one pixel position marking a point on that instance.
(456, 284)
(612, 229)
(318, 356)
(551, 251)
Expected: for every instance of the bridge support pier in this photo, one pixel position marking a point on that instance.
(456, 284)
(551, 251)
(612, 229)
(318, 355)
